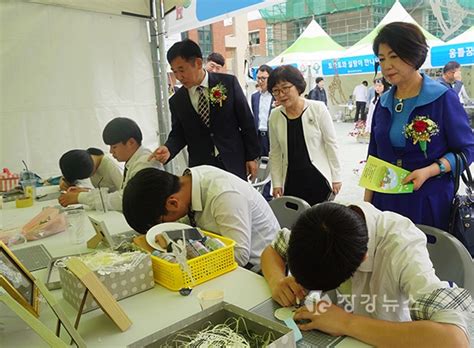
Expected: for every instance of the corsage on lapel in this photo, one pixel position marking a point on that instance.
(420, 130)
(217, 94)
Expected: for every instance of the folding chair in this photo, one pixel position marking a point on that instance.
(263, 174)
(287, 209)
(451, 260)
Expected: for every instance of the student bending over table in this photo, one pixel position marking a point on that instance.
(214, 200)
(379, 264)
(125, 140)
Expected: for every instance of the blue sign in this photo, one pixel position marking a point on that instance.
(207, 9)
(349, 65)
(462, 53)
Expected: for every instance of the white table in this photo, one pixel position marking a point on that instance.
(149, 311)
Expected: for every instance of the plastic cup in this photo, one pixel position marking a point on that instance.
(209, 298)
(76, 225)
(29, 183)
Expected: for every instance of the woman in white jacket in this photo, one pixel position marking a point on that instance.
(303, 149)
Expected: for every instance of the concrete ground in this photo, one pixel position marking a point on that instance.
(351, 153)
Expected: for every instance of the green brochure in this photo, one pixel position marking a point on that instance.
(384, 177)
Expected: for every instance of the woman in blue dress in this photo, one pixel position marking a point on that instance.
(402, 49)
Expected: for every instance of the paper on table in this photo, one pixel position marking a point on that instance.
(384, 177)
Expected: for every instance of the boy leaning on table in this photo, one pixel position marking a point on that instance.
(379, 264)
(213, 199)
(124, 137)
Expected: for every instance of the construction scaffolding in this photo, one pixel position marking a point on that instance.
(348, 21)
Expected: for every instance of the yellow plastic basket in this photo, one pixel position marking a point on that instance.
(203, 268)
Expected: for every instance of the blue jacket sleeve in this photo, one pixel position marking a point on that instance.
(457, 128)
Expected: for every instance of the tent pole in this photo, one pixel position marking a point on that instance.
(157, 34)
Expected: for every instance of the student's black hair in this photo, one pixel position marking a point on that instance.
(327, 245)
(265, 68)
(406, 40)
(76, 165)
(319, 79)
(451, 66)
(216, 58)
(95, 151)
(120, 129)
(365, 83)
(287, 73)
(144, 197)
(186, 49)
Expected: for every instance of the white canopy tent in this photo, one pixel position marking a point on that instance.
(309, 49)
(467, 36)
(360, 57)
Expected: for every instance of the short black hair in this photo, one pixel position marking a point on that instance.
(451, 66)
(327, 244)
(145, 195)
(319, 79)
(365, 83)
(406, 40)
(265, 68)
(186, 49)
(76, 165)
(287, 73)
(216, 58)
(120, 129)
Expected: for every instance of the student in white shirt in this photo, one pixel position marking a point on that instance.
(78, 165)
(215, 200)
(125, 140)
(380, 266)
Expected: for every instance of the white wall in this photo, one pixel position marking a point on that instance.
(64, 74)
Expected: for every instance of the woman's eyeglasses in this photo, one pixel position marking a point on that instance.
(282, 90)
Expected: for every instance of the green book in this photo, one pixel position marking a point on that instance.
(384, 177)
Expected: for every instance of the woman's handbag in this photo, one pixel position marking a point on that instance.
(461, 224)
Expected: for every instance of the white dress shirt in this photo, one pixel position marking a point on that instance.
(194, 94)
(113, 201)
(360, 93)
(397, 275)
(109, 174)
(229, 206)
(264, 110)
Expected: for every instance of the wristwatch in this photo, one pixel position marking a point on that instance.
(442, 167)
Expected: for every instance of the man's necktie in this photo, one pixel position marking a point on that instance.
(191, 217)
(124, 176)
(203, 105)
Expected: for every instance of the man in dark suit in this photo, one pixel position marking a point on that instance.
(210, 115)
(262, 105)
(262, 102)
(318, 92)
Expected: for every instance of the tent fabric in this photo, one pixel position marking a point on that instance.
(467, 36)
(65, 74)
(360, 58)
(312, 46)
(396, 14)
(117, 7)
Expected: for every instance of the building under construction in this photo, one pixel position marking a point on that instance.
(348, 21)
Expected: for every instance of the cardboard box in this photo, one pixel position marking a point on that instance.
(120, 284)
(218, 314)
